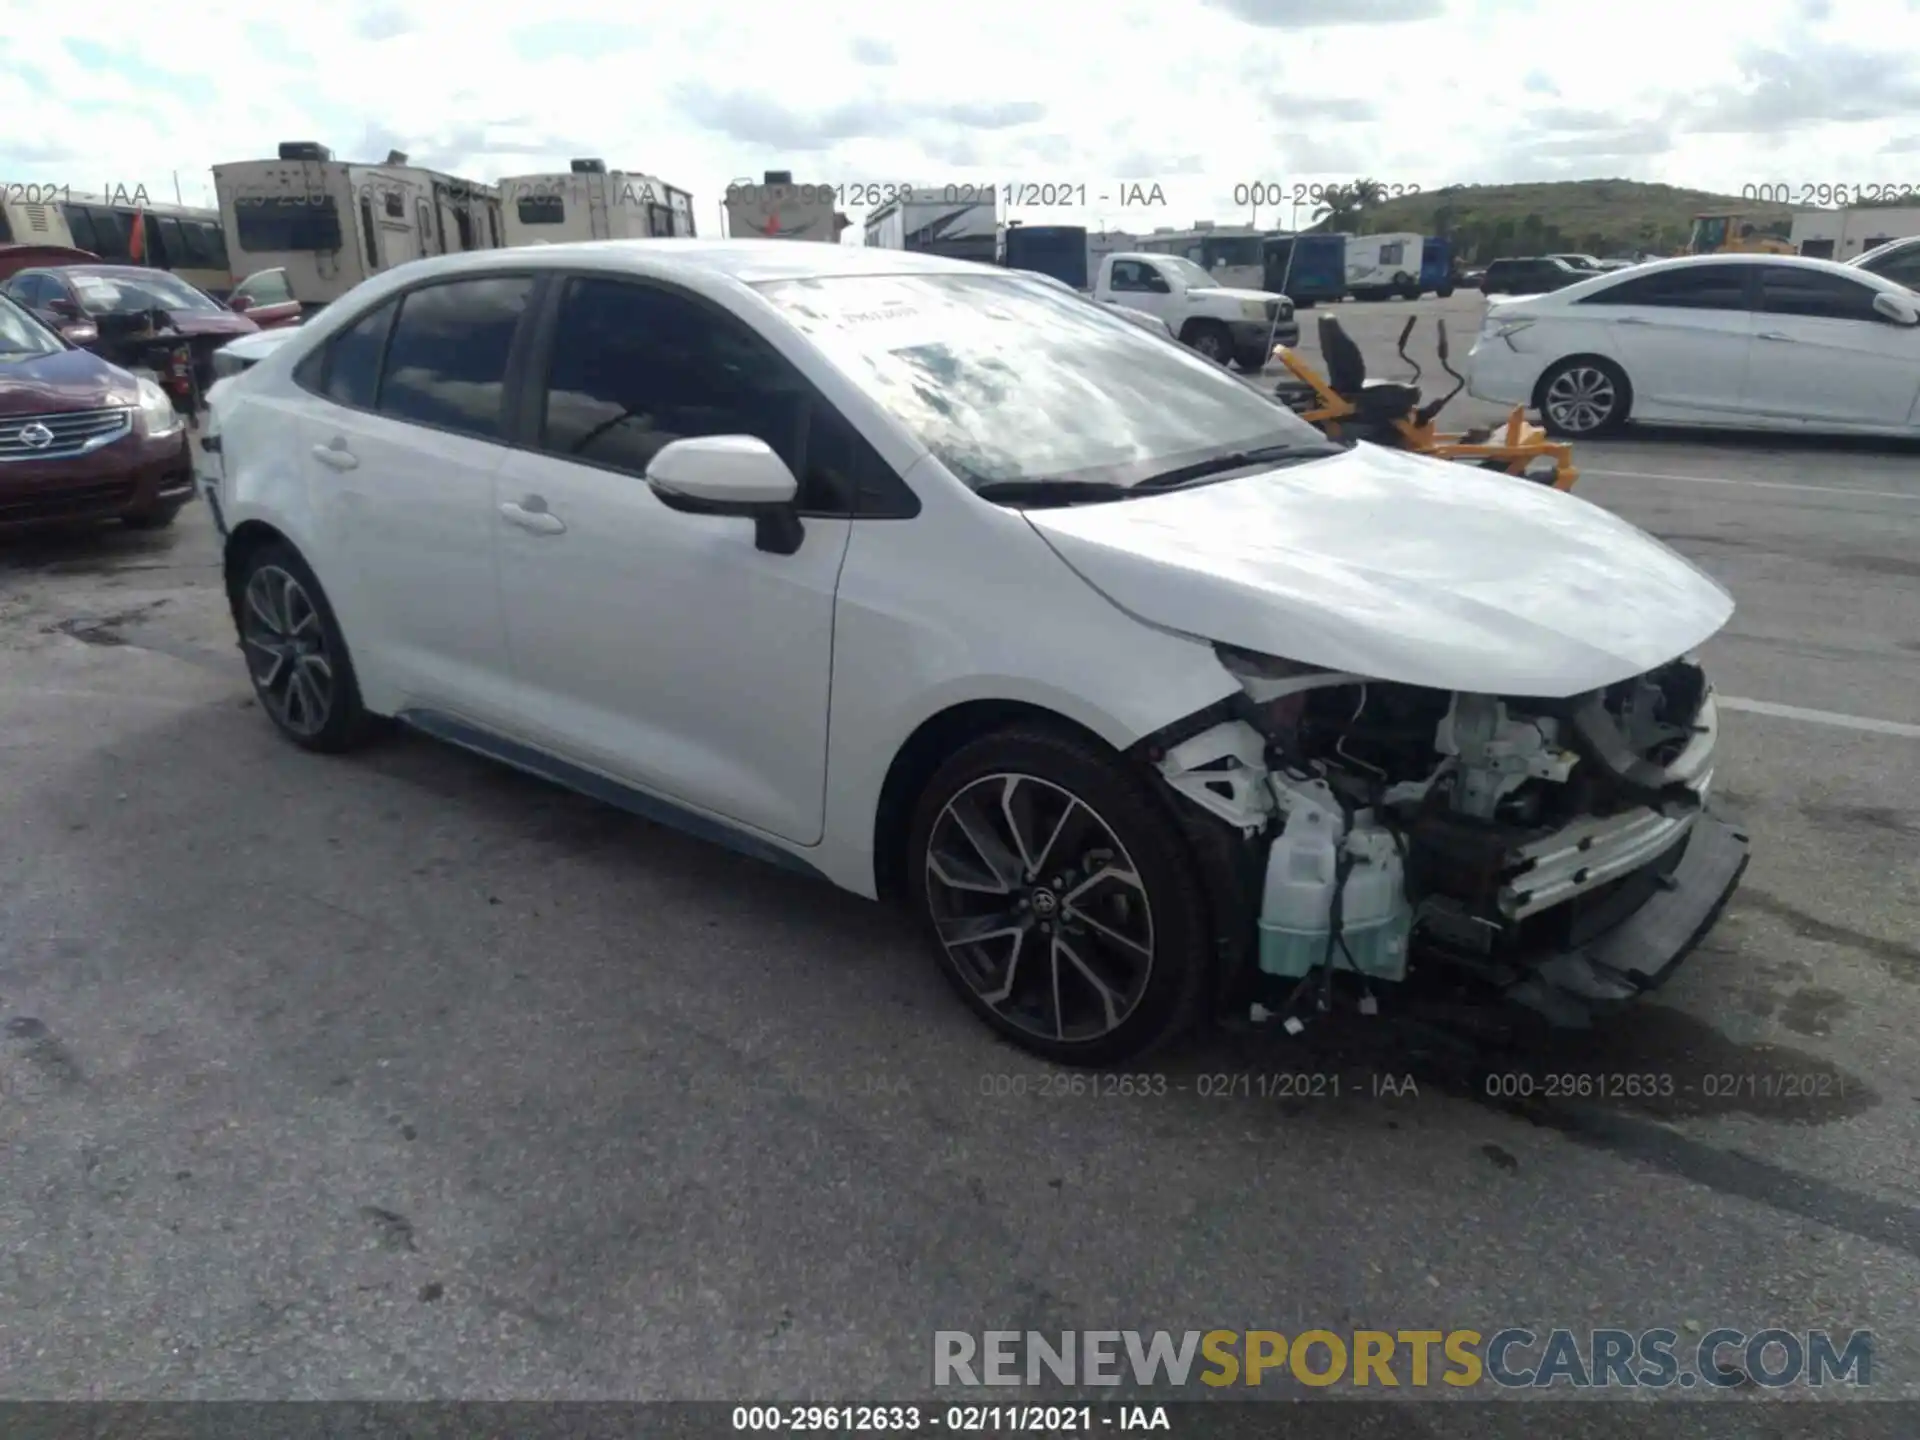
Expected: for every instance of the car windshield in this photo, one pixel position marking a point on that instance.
(22, 337)
(1009, 381)
(125, 294)
(1191, 275)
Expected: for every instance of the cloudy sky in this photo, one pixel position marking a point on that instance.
(1196, 97)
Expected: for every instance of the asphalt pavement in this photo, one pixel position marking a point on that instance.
(404, 1075)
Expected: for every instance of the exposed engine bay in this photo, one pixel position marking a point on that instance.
(1508, 839)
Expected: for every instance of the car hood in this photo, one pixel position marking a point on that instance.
(1399, 568)
(70, 380)
(197, 323)
(1229, 292)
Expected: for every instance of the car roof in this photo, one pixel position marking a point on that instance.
(1594, 284)
(747, 261)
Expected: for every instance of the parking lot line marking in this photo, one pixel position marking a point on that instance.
(1819, 717)
(1757, 484)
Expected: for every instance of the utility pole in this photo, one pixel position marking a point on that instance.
(176, 189)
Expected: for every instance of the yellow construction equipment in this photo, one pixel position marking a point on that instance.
(1345, 405)
(1731, 234)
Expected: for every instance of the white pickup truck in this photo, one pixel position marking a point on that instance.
(1221, 323)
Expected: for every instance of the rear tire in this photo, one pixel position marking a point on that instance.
(296, 656)
(1059, 897)
(1583, 397)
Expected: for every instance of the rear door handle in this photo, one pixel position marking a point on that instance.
(1775, 335)
(533, 515)
(335, 455)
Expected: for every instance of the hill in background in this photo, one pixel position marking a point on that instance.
(1600, 217)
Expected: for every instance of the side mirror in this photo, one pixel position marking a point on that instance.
(1896, 309)
(731, 475)
(240, 304)
(80, 332)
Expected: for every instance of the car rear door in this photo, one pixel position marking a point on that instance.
(1683, 336)
(662, 648)
(1822, 355)
(400, 446)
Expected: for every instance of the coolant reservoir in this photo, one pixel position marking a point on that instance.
(1296, 911)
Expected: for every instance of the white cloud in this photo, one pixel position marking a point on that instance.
(1196, 96)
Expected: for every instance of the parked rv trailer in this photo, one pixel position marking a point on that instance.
(776, 208)
(960, 222)
(330, 224)
(590, 202)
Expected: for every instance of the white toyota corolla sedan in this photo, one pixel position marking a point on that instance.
(1760, 342)
(935, 582)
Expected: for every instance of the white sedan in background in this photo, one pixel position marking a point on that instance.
(1764, 342)
(1897, 260)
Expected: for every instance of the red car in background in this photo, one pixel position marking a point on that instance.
(68, 295)
(81, 439)
(266, 298)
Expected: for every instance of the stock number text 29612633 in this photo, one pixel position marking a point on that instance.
(1296, 192)
(1823, 192)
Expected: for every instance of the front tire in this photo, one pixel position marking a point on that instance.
(1210, 338)
(1059, 897)
(1583, 397)
(296, 656)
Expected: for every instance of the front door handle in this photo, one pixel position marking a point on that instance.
(1775, 335)
(532, 515)
(336, 455)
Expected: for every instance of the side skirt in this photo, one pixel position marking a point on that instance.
(600, 787)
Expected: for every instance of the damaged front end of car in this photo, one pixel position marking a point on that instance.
(1557, 854)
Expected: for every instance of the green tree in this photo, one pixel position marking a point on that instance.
(1344, 207)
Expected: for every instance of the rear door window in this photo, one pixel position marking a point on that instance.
(347, 369)
(1692, 287)
(1815, 295)
(446, 364)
